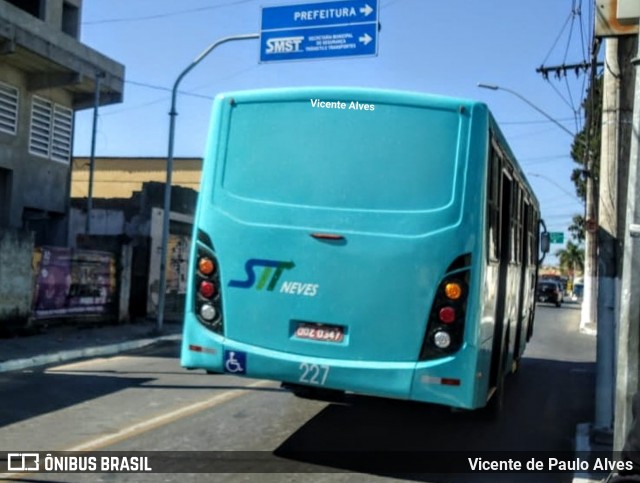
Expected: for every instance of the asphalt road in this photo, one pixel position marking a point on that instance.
(144, 401)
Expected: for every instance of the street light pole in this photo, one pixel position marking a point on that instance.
(92, 159)
(494, 87)
(546, 178)
(167, 187)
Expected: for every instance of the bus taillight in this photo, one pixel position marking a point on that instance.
(207, 289)
(447, 315)
(208, 302)
(442, 339)
(453, 290)
(445, 326)
(206, 266)
(208, 312)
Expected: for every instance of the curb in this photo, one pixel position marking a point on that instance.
(96, 351)
(582, 445)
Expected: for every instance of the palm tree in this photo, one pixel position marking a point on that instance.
(571, 259)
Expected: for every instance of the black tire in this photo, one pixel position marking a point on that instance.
(515, 365)
(314, 393)
(493, 409)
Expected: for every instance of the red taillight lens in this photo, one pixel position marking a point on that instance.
(447, 315)
(207, 289)
(206, 266)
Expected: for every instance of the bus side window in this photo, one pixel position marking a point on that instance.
(493, 205)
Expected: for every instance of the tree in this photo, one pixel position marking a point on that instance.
(571, 259)
(588, 160)
(577, 229)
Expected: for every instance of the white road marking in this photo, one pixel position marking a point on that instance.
(164, 419)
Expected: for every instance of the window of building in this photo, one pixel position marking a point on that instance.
(70, 19)
(62, 132)
(51, 130)
(6, 187)
(8, 108)
(33, 7)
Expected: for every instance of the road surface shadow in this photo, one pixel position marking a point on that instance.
(32, 394)
(394, 438)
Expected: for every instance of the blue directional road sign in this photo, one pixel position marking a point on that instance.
(319, 30)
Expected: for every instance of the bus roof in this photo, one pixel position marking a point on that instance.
(344, 93)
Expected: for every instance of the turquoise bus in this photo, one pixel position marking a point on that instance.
(366, 241)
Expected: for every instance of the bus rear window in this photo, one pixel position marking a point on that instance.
(390, 158)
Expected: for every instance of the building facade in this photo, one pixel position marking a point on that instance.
(46, 74)
(121, 177)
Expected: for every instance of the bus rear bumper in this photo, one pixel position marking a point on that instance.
(437, 381)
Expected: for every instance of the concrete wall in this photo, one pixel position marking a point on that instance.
(121, 177)
(178, 248)
(103, 222)
(64, 15)
(16, 277)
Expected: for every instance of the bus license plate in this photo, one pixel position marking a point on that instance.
(326, 333)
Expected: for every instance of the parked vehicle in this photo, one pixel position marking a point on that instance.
(550, 291)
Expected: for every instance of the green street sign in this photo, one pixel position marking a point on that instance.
(556, 237)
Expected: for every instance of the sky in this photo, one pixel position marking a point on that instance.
(438, 47)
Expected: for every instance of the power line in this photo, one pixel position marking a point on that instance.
(162, 15)
(557, 38)
(557, 185)
(537, 121)
(167, 89)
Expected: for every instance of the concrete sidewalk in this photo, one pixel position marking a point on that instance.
(60, 342)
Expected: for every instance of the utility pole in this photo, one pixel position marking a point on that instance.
(607, 247)
(561, 70)
(589, 305)
(92, 159)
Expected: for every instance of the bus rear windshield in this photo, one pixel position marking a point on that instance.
(386, 157)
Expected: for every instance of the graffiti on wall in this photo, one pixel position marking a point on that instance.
(73, 282)
(177, 263)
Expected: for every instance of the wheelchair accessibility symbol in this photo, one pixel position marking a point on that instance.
(235, 362)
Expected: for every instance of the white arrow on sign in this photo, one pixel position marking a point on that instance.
(366, 10)
(365, 39)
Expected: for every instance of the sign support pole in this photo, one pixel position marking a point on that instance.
(167, 187)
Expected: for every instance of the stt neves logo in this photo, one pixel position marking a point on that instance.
(265, 274)
(270, 274)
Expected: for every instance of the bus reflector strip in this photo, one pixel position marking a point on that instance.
(444, 381)
(199, 348)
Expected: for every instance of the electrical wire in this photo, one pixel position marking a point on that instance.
(163, 15)
(553, 46)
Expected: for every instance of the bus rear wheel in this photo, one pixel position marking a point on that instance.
(493, 409)
(315, 393)
(495, 404)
